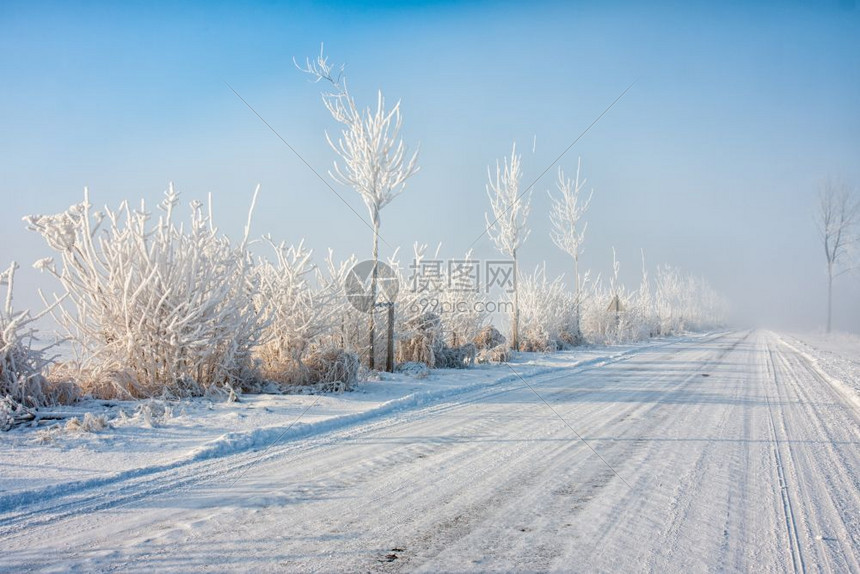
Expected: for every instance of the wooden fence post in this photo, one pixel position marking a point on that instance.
(389, 362)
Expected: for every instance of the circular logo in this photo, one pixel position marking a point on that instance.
(359, 285)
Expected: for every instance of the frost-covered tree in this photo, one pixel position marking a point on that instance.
(374, 161)
(568, 230)
(838, 219)
(507, 225)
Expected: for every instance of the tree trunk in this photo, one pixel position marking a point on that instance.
(578, 301)
(515, 327)
(829, 295)
(371, 359)
(389, 359)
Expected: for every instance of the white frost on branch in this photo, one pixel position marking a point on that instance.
(374, 159)
(510, 209)
(152, 308)
(568, 232)
(300, 315)
(21, 365)
(507, 228)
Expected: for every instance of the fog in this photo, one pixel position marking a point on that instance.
(709, 162)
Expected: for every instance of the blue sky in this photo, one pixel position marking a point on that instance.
(710, 162)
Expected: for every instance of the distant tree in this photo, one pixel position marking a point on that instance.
(374, 160)
(568, 233)
(838, 219)
(507, 227)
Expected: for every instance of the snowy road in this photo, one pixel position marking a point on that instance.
(729, 453)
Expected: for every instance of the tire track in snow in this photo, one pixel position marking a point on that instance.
(447, 532)
(641, 402)
(830, 468)
(686, 495)
(792, 536)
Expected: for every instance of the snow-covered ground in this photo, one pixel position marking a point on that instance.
(837, 355)
(726, 452)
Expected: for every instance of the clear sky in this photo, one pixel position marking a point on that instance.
(710, 162)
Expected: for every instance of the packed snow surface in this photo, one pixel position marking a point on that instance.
(727, 452)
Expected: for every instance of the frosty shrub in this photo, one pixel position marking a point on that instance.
(21, 365)
(421, 340)
(347, 324)
(307, 339)
(547, 313)
(686, 303)
(459, 357)
(676, 303)
(499, 354)
(414, 370)
(13, 413)
(609, 315)
(334, 370)
(488, 337)
(298, 314)
(465, 309)
(643, 312)
(152, 308)
(435, 321)
(90, 423)
(602, 326)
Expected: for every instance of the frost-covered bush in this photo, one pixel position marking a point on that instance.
(488, 337)
(13, 413)
(333, 369)
(458, 314)
(602, 325)
(612, 314)
(643, 311)
(152, 308)
(22, 366)
(686, 303)
(436, 314)
(424, 343)
(459, 357)
(462, 302)
(301, 313)
(676, 303)
(313, 335)
(500, 354)
(414, 370)
(421, 340)
(547, 312)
